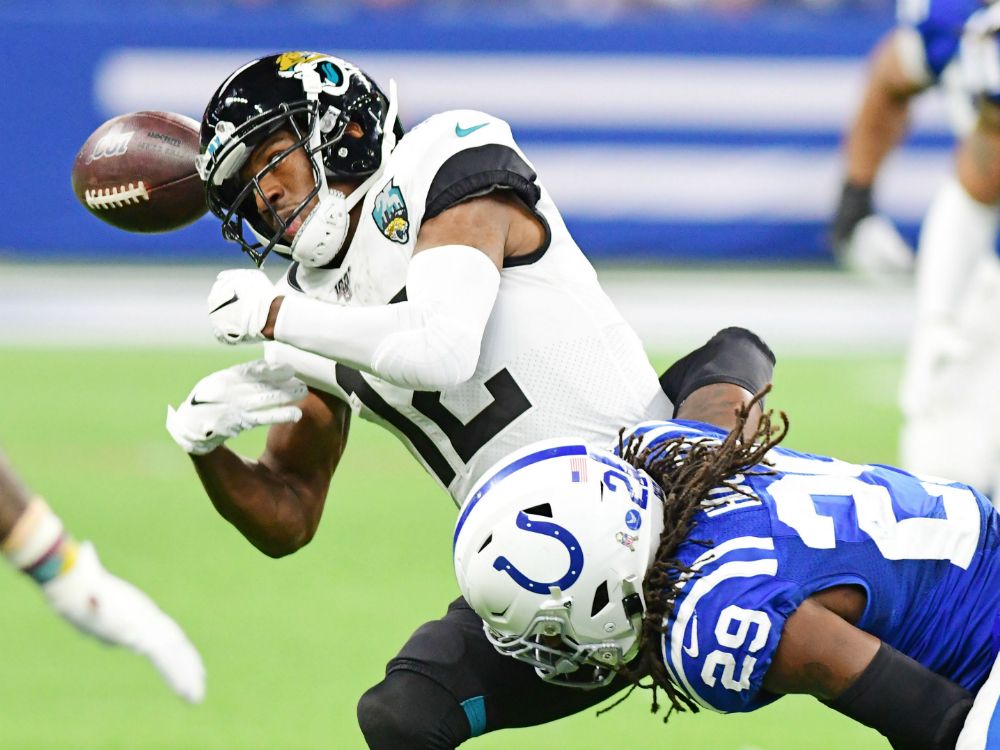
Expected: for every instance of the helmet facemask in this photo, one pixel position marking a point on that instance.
(551, 646)
(235, 202)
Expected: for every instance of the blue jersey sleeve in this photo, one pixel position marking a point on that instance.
(726, 625)
(939, 24)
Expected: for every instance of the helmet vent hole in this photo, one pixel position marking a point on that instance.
(601, 599)
(501, 613)
(486, 543)
(540, 510)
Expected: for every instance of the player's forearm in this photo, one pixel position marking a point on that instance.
(880, 125)
(881, 122)
(275, 517)
(719, 404)
(432, 341)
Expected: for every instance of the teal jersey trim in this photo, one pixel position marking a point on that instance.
(475, 712)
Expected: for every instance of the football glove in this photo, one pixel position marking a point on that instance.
(238, 305)
(876, 249)
(116, 612)
(229, 401)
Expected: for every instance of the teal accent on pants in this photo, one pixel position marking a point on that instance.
(475, 712)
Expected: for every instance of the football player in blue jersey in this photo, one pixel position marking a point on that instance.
(953, 357)
(907, 61)
(733, 571)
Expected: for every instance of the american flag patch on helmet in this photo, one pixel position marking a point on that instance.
(578, 468)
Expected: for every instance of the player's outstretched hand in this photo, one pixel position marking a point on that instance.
(230, 401)
(116, 612)
(876, 249)
(238, 305)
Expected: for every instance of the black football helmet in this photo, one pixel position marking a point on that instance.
(315, 97)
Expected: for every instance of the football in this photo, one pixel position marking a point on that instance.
(137, 172)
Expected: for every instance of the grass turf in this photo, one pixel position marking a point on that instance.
(291, 644)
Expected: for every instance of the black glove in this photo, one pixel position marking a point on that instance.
(733, 355)
(855, 204)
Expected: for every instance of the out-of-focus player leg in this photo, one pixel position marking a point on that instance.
(77, 586)
(950, 368)
(982, 725)
(961, 394)
(449, 684)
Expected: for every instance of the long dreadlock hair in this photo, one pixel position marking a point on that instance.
(690, 471)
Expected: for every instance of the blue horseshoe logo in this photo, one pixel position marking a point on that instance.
(554, 530)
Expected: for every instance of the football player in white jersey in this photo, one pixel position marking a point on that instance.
(954, 356)
(77, 586)
(435, 290)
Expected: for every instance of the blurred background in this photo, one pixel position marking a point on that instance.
(692, 146)
(666, 130)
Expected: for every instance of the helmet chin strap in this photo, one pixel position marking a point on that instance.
(324, 230)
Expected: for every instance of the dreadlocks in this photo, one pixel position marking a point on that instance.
(690, 471)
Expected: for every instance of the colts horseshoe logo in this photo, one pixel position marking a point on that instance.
(554, 530)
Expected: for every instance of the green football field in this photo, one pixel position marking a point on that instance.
(291, 644)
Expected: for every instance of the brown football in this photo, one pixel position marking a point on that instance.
(137, 172)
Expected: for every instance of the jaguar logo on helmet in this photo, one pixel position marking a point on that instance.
(334, 73)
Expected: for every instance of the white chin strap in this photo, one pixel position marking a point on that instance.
(324, 230)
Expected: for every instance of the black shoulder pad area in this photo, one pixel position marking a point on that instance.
(478, 171)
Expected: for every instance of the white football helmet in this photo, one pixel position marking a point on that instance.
(551, 549)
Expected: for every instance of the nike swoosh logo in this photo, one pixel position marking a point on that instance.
(462, 132)
(196, 402)
(231, 300)
(691, 649)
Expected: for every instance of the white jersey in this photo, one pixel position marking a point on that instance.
(557, 358)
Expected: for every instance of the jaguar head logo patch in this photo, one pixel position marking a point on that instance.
(390, 214)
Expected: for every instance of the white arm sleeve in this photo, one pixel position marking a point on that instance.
(430, 342)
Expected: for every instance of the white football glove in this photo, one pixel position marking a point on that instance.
(238, 305)
(229, 401)
(877, 250)
(116, 612)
